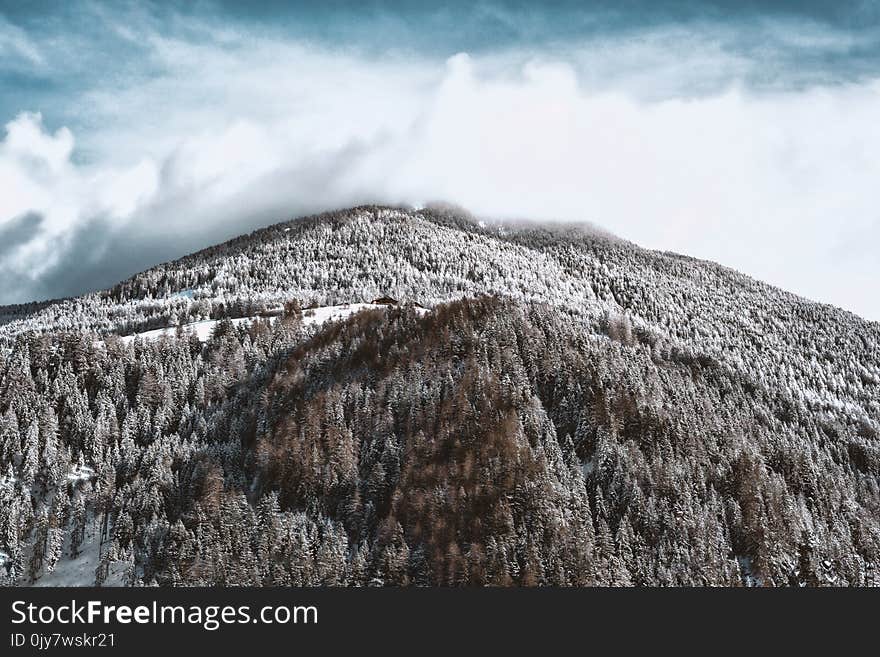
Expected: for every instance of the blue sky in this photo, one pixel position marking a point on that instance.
(743, 132)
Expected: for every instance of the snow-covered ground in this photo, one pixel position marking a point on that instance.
(588, 466)
(311, 317)
(81, 570)
(748, 571)
(80, 473)
(203, 330)
(317, 316)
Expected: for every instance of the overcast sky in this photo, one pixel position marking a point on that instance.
(743, 132)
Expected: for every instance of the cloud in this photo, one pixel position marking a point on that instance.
(17, 49)
(666, 146)
(18, 231)
(40, 181)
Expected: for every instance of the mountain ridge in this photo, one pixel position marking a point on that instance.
(440, 214)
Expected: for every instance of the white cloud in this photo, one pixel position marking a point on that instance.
(779, 185)
(37, 176)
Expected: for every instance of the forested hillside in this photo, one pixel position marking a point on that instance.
(570, 410)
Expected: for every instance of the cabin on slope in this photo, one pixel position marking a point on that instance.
(391, 301)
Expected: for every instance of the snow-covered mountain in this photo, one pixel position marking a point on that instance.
(544, 405)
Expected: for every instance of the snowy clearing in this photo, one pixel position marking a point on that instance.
(311, 317)
(80, 473)
(80, 570)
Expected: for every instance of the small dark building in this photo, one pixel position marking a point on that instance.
(384, 301)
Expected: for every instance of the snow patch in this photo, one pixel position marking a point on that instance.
(749, 578)
(80, 571)
(80, 473)
(310, 317)
(317, 316)
(588, 466)
(203, 330)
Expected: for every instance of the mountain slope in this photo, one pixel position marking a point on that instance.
(431, 255)
(572, 410)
